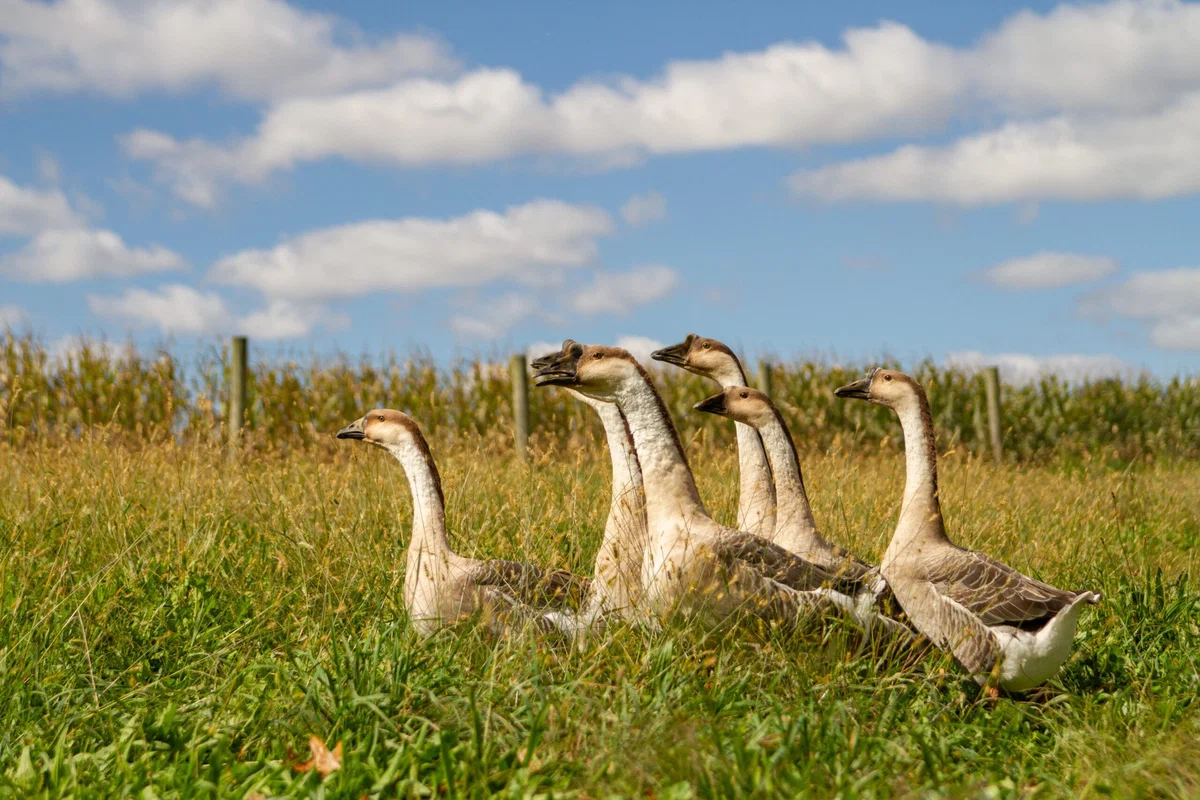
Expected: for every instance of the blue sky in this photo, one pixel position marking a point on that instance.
(973, 182)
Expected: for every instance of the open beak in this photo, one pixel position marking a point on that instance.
(549, 359)
(352, 431)
(713, 405)
(675, 354)
(859, 390)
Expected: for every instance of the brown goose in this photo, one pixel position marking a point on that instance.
(795, 527)
(616, 587)
(1003, 627)
(693, 564)
(756, 493)
(440, 586)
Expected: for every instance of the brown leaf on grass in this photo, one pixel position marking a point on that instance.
(324, 760)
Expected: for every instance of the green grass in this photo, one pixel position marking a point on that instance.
(172, 624)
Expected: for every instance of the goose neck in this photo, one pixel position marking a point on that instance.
(794, 511)
(921, 511)
(668, 479)
(429, 509)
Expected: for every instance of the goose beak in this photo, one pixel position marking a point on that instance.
(548, 359)
(675, 354)
(352, 431)
(713, 405)
(859, 390)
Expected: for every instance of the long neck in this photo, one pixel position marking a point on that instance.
(756, 491)
(795, 516)
(429, 508)
(921, 511)
(670, 485)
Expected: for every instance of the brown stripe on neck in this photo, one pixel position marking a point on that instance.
(930, 443)
(787, 437)
(423, 449)
(662, 408)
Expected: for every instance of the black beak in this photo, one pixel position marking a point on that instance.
(561, 369)
(859, 390)
(548, 359)
(675, 354)
(713, 405)
(352, 431)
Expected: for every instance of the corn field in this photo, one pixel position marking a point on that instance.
(294, 405)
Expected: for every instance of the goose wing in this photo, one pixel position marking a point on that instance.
(995, 592)
(529, 583)
(950, 626)
(781, 565)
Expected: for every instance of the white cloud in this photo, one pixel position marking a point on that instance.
(180, 309)
(1021, 368)
(620, 292)
(416, 253)
(70, 254)
(173, 308)
(496, 317)
(1167, 300)
(643, 209)
(885, 79)
(47, 168)
(249, 49)
(25, 211)
(1147, 157)
(1048, 270)
(12, 317)
(640, 347)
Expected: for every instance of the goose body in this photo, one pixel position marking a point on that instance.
(756, 492)
(692, 564)
(1000, 625)
(440, 586)
(616, 585)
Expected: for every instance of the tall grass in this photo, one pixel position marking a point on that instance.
(296, 404)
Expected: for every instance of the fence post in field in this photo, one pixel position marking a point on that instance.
(764, 377)
(237, 388)
(519, 376)
(991, 385)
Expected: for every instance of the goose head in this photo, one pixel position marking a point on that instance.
(885, 387)
(549, 358)
(593, 370)
(383, 427)
(701, 355)
(739, 403)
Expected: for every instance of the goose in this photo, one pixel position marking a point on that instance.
(756, 493)
(693, 565)
(1003, 627)
(440, 586)
(795, 527)
(616, 586)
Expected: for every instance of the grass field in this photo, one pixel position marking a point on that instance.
(173, 624)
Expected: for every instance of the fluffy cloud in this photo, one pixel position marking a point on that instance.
(1113, 72)
(413, 254)
(620, 292)
(174, 308)
(1167, 300)
(496, 317)
(1024, 368)
(643, 209)
(179, 309)
(1147, 157)
(883, 80)
(71, 254)
(249, 49)
(12, 317)
(25, 211)
(1048, 270)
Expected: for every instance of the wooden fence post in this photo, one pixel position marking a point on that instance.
(237, 388)
(764, 377)
(519, 375)
(991, 385)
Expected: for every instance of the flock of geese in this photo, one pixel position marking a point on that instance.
(663, 555)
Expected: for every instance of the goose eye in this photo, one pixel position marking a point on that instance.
(705, 345)
(597, 356)
(887, 377)
(379, 417)
(745, 395)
